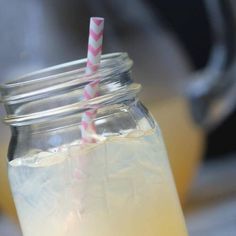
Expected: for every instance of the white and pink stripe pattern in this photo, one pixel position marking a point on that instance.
(91, 90)
(94, 44)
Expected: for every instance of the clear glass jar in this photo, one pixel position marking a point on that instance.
(119, 185)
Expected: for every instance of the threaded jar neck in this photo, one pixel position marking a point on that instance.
(57, 91)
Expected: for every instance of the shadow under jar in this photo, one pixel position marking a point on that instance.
(120, 184)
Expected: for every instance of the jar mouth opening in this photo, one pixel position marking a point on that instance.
(53, 72)
(57, 91)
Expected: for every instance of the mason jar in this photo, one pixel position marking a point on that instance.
(119, 184)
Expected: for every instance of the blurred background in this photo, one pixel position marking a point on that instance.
(184, 56)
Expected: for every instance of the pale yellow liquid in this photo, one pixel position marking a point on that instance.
(119, 187)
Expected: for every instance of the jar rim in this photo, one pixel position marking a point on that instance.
(34, 84)
(22, 80)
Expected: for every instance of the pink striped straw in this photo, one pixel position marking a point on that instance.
(96, 27)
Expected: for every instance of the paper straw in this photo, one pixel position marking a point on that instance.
(96, 27)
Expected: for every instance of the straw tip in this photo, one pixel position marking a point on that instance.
(97, 20)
